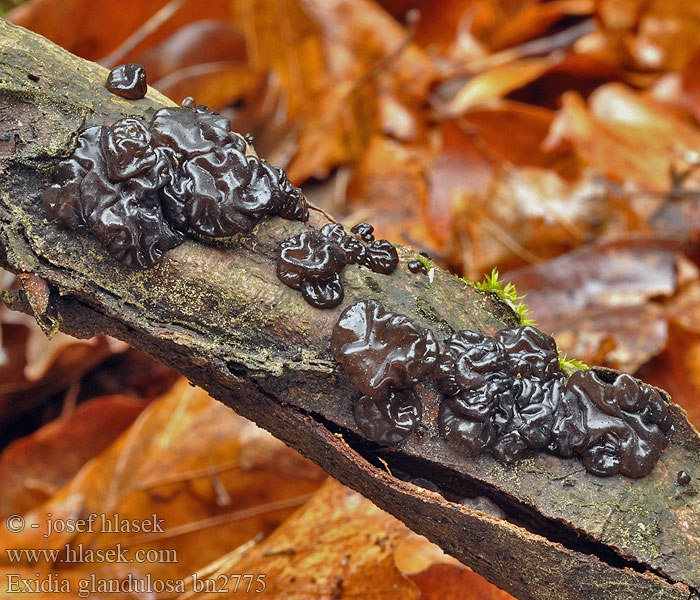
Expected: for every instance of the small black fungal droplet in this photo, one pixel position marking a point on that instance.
(416, 266)
(127, 81)
(364, 231)
(249, 138)
(32, 77)
(683, 478)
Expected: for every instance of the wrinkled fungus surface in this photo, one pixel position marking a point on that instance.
(334, 248)
(128, 81)
(140, 189)
(382, 351)
(388, 421)
(625, 424)
(507, 395)
(364, 231)
(312, 263)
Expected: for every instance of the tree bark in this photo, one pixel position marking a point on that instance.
(218, 315)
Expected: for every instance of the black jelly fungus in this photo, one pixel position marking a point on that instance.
(507, 395)
(390, 420)
(531, 352)
(683, 478)
(625, 424)
(416, 266)
(381, 257)
(381, 351)
(249, 138)
(310, 262)
(364, 231)
(128, 81)
(139, 189)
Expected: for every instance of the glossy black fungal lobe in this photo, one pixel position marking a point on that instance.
(683, 478)
(388, 421)
(140, 189)
(128, 81)
(364, 231)
(531, 353)
(416, 266)
(625, 423)
(312, 263)
(380, 257)
(507, 395)
(382, 351)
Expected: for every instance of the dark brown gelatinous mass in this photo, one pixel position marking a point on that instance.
(530, 352)
(128, 81)
(364, 231)
(312, 263)
(416, 266)
(140, 189)
(683, 478)
(381, 257)
(625, 423)
(388, 421)
(382, 351)
(507, 395)
(327, 291)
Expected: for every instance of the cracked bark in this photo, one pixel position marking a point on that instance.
(218, 315)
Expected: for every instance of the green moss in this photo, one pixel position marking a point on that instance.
(571, 364)
(507, 291)
(492, 283)
(427, 263)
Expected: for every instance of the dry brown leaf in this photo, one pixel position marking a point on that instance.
(201, 42)
(496, 83)
(198, 467)
(677, 370)
(513, 132)
(526, 215)
(452, 582)
(627, 137)
(388, 190)
(35, 467)
(596, 300)
(93, 29)
(658, 34)
(459, 166)
(337, 545)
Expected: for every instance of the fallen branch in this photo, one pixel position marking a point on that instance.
(218, 315)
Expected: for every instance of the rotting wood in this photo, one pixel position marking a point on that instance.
(218, 315)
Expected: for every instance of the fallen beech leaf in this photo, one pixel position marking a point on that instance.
(338, 545)
(459, 166)
(595, 300)
(453, 582)
(534, 18)
(495, 83)
(200, 42)
(678, 369)
(691, 83)
(388, 189)
(620, 337)
(624, 273)
(627, 137)
(106, 24)
(215, 84)
(193, 463)
(526, 215)
(514, 132)
(365, 50)
(34, 468)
